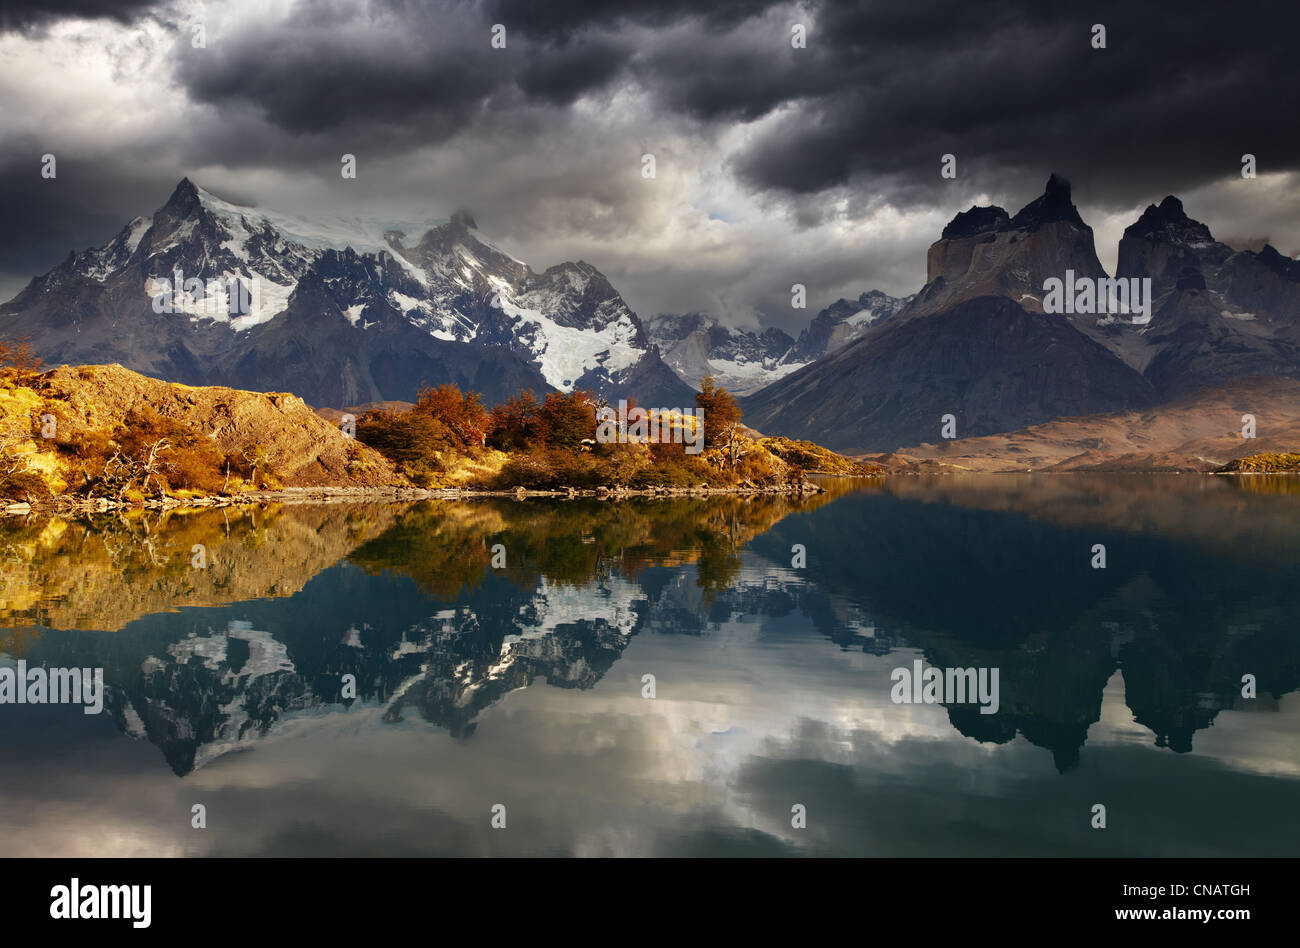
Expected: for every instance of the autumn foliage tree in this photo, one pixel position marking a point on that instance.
(413, 440)
(513, 424)
(17, 454)
(721, 417)
(559, 421)
(151, 454)
(18, 357)
(565, 421)
(460, 413)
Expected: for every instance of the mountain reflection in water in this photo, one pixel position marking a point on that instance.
(1120, 685)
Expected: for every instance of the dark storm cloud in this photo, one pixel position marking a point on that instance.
(48, 220)
(26, 14)
(559, 20)
(559, 76)
(321, 69)
(427, 71)
(1178, 95)
(736, 78)
(852, 124)
(883, 89)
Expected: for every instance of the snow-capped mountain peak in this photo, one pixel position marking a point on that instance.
(337, 309)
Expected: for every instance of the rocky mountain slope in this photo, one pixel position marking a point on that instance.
(1219, 314)
(845, 321)
(976, 344)
(696, 345)
(338, 312)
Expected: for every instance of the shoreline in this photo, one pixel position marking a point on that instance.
(391, 494)
(399, 494)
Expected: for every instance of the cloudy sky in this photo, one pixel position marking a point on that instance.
(774, 164)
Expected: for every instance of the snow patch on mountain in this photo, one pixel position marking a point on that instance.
(743, 361)
(565, 354)
(407, 303)
(362, 234)
(744, 371)
(274, 300)
(138, 226)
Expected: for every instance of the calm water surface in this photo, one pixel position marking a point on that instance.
(524, 686)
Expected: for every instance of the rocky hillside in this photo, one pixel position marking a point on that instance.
(91, 410)
(1263, 464)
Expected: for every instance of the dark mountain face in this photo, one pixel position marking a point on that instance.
(1219, 314)
(975, 342)
(1163, 242)
(338, 312)
(300, 351)
(988, 362)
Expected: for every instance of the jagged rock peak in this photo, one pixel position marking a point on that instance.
(1286, 267)
(978, 220)
(1169, 221)
(1054, 204)
(184, 199)
(1172, 207)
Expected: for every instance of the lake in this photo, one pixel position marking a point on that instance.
(686, 676)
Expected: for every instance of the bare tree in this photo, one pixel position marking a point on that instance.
(123, 471)
(152, 465)
(17, 446)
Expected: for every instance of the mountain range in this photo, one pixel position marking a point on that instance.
(976, 343)
(354, 311)
(338, 312)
